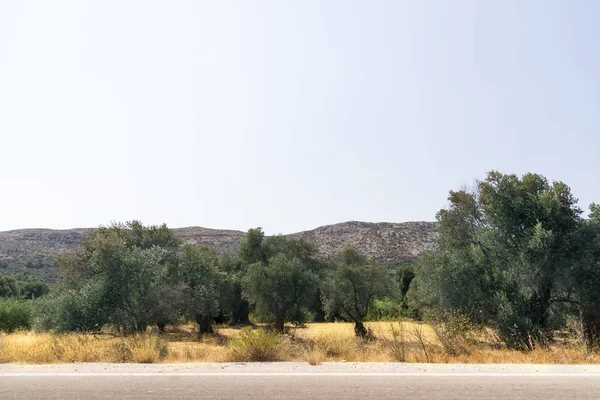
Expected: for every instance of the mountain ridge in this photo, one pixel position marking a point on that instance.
(32, 252)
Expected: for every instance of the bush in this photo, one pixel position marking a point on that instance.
(15, 315)
(384, 310)
(260, 345)
(454, 332)
(71, 310)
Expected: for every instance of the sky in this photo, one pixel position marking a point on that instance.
(287, 114)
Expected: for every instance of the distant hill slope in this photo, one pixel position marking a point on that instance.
(33, 251)
(384, 240)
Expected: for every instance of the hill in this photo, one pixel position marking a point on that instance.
(32, 252)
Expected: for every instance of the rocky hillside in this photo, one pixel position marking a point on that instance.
(384, 241)
(33, 251)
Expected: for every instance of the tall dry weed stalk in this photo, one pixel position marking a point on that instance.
(397, 347)
(418, 332)
(364, 342)
(454, 333)
(403, 341)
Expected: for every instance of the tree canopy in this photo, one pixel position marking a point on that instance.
(504, 253)
(281, 288)
(352, 287)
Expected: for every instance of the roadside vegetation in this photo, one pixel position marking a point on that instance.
(314, 343)
(515, 277)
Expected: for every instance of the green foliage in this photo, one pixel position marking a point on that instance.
(350, 256)
(585, 278)
(202, 282)
(233, 306)
(404, 278)
(129, 266)
(252, 247)
(260, 345)
(281, 289)
(100, 248)
(279, 277)
(68, 310)
(454, 331)
(454, 280)
(9, 287)
(384, 310)
(14, 315)
(164, 303)
(33, 289)
(130, 278)
(501, 257)
(351, 290)
(135, 234)
(297, 248)
(25, 265)
(594, 212)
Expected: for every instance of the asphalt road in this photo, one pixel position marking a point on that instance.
(295, 381)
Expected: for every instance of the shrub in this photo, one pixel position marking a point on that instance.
(260, 345)
(454, 332)
(14, 315)
(384, 310)
(71, 310)
(314, 356)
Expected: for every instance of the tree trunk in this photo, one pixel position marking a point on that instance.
(591, 328)
(221, 318)
(539, 313)
(279, 323)
(204, 324)
(359, 329)
(240, 314)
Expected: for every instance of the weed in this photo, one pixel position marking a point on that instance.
(454, 333)
(419, 335)
(145, 349)
(317, 343)
(314, 356)
(336, 346)
(259, 345)
(396, 346)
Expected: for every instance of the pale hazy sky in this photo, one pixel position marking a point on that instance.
(287, 114)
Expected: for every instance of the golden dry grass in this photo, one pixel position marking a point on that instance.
(314, 344)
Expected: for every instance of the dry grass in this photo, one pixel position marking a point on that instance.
(28, 347)
(314, 344)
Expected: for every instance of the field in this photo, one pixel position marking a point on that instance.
(314, 343)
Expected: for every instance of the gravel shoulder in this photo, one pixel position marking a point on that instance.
(297, 368)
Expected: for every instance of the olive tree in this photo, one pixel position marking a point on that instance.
(127, 265)
(503, 254)
(279, 288)
(351, 289)
(202, 281)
